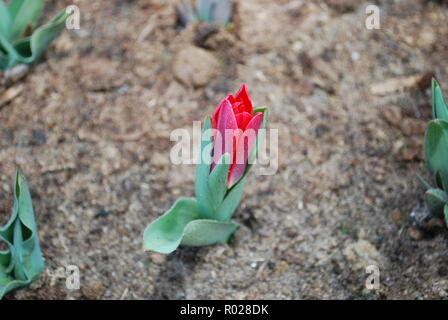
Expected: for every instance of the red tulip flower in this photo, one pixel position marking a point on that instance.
(236, 131)
(219, 179)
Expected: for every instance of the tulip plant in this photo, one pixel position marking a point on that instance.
(229, 144)
(22, 262)
(20, 40)
(219, 11)
(436, 155)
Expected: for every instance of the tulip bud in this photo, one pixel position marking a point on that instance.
(235, 130)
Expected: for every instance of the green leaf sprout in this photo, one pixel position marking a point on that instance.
(22, 261)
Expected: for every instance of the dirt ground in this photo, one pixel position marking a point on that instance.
(90, 127)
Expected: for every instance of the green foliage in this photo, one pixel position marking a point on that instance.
(436, 153)
(218, 11)
(21, 41)
(22, 262)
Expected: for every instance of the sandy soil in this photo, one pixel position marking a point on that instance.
(90, 126)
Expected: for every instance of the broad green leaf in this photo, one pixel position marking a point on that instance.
(436, 148)
(202, 189)
(5, 19)
(218, 180)
(200, 233)
(25, 13)
(436, 200)
(22, 262)
(165, 234)
(439, 109)
(231, 201)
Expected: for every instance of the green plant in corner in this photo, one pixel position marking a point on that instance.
(22, 261)
(436, 155)
(21, 41)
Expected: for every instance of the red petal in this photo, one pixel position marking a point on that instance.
(215, 115)
(226, 139)
(231, 98)
(236, 107)
(243, 97)
(216, 111)
(242, 119)
(244, 145)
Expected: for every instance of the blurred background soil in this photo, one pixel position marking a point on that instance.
(90, 127)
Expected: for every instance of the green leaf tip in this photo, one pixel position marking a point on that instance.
(22, 262)
(439, 108)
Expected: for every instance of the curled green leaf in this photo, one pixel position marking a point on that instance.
(22, 262)
(439, 109)
(165, 234)
(20, 40)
